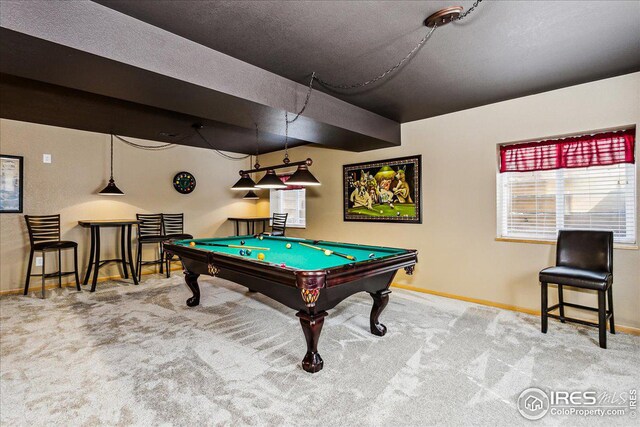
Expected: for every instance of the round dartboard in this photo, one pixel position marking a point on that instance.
(184, 182)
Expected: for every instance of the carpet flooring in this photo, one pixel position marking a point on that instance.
(129, 355)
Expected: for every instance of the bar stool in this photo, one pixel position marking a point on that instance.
(279, 224)
(149, 232)
(44, 236)
(173, 229)
(584, 260)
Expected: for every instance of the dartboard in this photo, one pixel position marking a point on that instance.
(184, 182)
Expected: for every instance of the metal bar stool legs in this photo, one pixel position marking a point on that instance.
(75, 268)
(26, 283)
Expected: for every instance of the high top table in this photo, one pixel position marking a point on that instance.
(94, 257)
(251, 223)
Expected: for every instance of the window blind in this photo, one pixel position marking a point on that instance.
(536, 204)
(292, 202)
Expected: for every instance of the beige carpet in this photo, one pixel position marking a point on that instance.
(139, 356)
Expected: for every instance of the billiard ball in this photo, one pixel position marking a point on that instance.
(398, 213)
(242, 242)
(260, 256)
(288, 245)
(192, 243)
(328, 252)
(391, 205)
(242, 252)
(248, 252)
(372, 255)
(380, 210)
(260, 237)
(283, 265)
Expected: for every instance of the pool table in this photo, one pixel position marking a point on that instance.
(310, 276)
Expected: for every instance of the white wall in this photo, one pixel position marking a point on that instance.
(80, 169)
(458, 253)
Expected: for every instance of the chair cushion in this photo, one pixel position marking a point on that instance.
(151, 239)
(62, 244)
(598, 280)
(182, 236)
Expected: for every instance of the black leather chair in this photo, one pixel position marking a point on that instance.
(279, 224)
(173, 229)
(584, 259)
(44, 236)
(149, 232)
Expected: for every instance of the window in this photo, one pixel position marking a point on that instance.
(292, 202)
(545, 187)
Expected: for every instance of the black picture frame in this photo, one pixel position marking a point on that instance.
(11, 183)
(382, 177)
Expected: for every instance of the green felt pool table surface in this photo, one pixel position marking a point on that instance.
(298, 256)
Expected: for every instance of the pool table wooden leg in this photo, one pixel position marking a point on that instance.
(380, 301)
(312, 326)
(191, 279)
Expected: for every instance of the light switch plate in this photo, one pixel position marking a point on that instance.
(46, 158)
(38, 261)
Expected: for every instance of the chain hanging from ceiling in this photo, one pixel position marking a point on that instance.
(379, 77)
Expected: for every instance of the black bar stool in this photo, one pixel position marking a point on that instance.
(584, 259)
(173, 229)
(149, 232)
(44, 236)
(279, 224)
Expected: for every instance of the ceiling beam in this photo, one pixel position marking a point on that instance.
(88, 47)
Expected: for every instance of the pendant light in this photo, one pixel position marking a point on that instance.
(302, 176)
(271, 181)
(244, 183)
(111, 189)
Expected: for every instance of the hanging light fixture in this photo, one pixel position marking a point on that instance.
(271, 181)
(251, 196)
(111, 189)
(302, 176)
(244, 183)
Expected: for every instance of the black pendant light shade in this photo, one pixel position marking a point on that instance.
(244, 183)
(270, 181)
(251, 196)
(111, 189)
(302, 177)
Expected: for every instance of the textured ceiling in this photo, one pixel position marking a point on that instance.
(504, 50)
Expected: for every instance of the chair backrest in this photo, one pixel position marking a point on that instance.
(150, 225)
(172, 224)
(43, 228)
(586, 249)
(279, 224)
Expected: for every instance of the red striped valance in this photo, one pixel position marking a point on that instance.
(601, 149)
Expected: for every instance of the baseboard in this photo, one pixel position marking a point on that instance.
(35, 287)
(628, 329)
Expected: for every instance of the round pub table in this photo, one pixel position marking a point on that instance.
(95, 262)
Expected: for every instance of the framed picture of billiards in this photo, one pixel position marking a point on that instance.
(11, 183)
(383, 191)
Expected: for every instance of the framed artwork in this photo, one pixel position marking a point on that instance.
(383, 191)
(11, 184)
